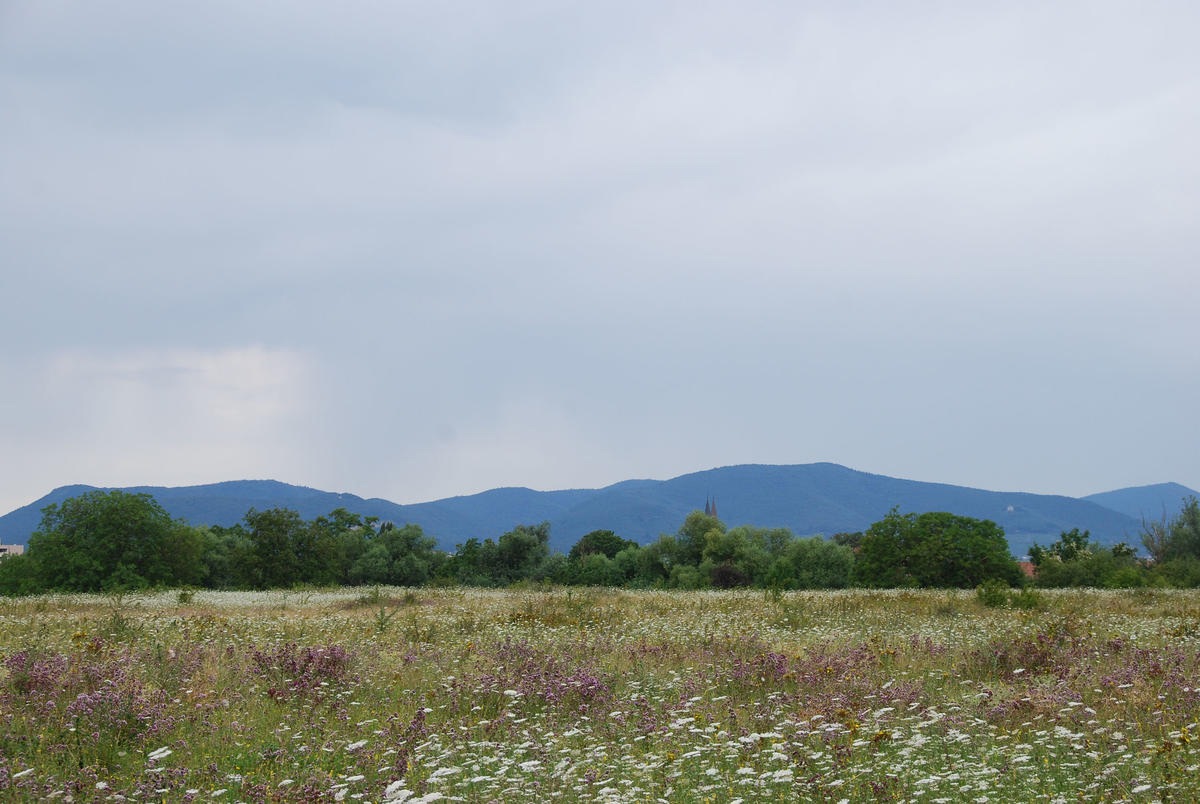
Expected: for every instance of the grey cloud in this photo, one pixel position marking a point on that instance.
(915, 240)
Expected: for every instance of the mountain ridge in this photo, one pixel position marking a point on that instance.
(809, 499)
(1144, 502)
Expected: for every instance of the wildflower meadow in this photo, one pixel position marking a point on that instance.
(541, 694)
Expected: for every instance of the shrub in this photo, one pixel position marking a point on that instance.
(992, 593)
(1027, 599)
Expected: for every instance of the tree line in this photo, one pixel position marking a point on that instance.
(1172, 546)
(114, 540)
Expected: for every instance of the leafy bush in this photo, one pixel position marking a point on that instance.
(992, 593)
(995, 594)
(1027, 599)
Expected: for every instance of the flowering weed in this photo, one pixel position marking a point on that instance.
(601, 695)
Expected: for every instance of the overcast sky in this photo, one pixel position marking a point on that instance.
(414, 250)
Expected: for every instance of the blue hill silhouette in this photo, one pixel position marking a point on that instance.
(1145, 502)
(809, 499)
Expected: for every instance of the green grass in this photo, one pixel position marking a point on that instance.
(586, 695)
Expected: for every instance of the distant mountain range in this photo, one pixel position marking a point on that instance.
(809, 499)
(1145, 502)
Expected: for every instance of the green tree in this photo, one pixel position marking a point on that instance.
(1185, 531)
(1156, 537)
(881, 560)
(1174, 545)
(18, 576)
(687, 576)
(596, 569)
(851, 540)
(604, 542)
(813, 563)
(959, 551)
(591, 562)
(335, 542)
(1183, 572)
(521, 552)
(935, 549)
(774, 542)
(402, 556)
(273, 535)
(627, 562)
(693, 536)
(1075, 560)
(113, 540)
(471, 564)
(1099, 568)
(655, 561)
(1071, 545)
(227, 557)
(737, 557)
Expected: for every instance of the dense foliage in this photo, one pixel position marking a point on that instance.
(109, 541)
(933, 549)
(1173, 556)
(103, 541)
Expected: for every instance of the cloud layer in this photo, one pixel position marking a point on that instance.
(414, 250)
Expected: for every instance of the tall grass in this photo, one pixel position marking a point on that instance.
(595, 694)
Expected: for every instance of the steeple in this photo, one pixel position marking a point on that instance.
(710, 505)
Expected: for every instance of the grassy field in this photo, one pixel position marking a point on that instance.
(595, 695)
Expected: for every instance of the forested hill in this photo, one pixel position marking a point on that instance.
(808, 499)
(1145, 502)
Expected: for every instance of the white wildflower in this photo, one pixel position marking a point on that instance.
(396, 791)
